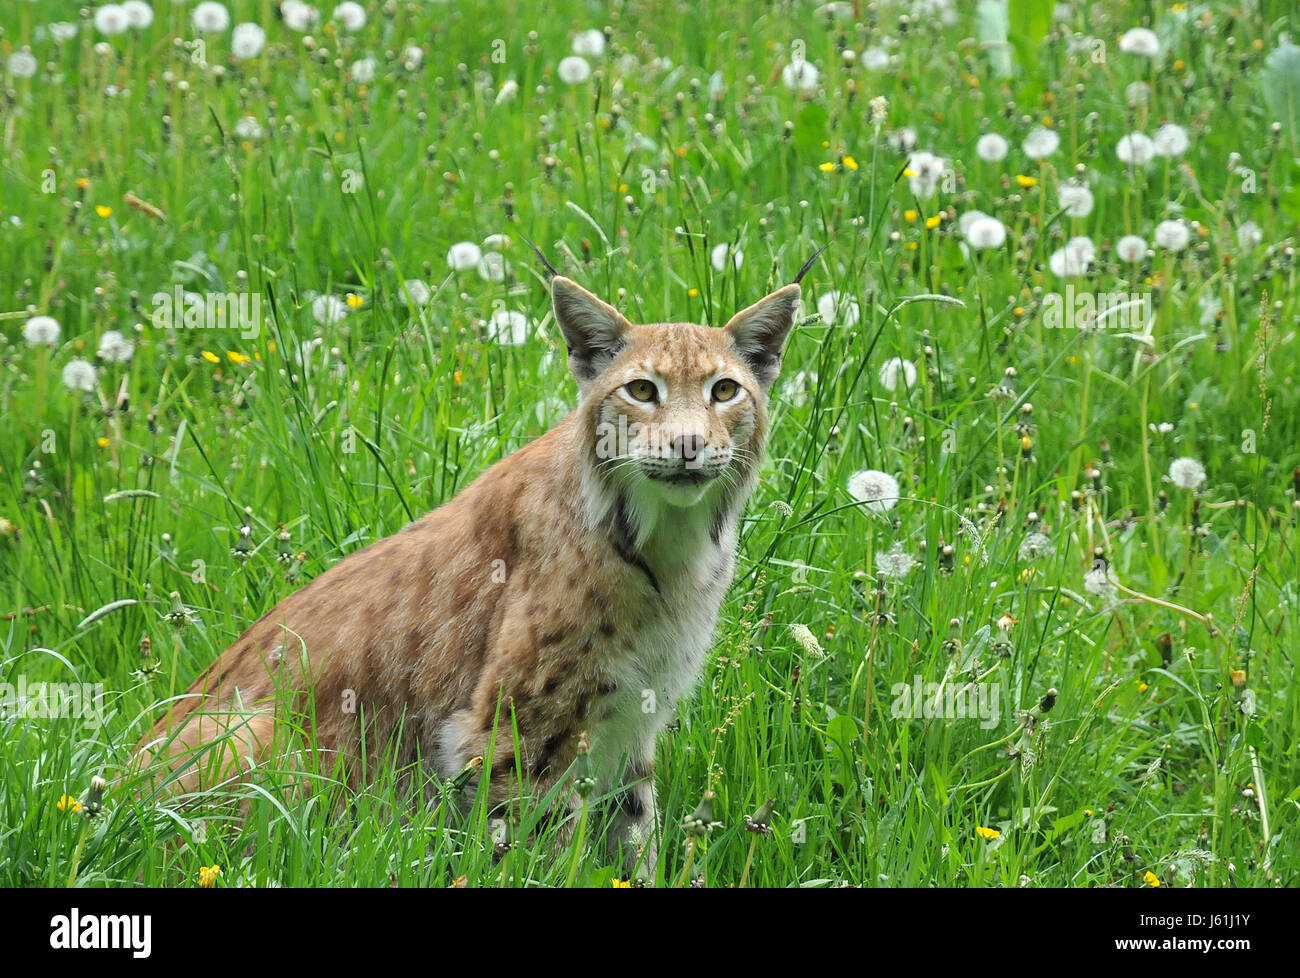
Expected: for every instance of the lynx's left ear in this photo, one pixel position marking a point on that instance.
(759, 332)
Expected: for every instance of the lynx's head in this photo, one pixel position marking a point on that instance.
(673, 416)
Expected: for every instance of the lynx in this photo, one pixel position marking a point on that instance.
(573, 588)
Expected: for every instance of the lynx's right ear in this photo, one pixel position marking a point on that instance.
(594, 331)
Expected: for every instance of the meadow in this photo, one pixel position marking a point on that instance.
(1016, 598)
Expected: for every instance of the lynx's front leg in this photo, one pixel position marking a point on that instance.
(630, 821)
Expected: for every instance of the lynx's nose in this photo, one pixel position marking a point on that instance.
(688, 447)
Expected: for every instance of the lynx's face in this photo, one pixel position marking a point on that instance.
(676, 413)
(678, 410)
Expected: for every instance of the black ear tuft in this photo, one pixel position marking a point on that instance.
(760, 331)
(594, 331)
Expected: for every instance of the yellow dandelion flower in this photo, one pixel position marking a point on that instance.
(354, 301)
(103, 210)
(849, 162)
(692, 292)
(68, 804)
(619, 884)
(909, 216)
(1150, 878)
(211, 357)
(826, 144)
(208, 876)
(1238, 676)
(101, 442)
(457, 377)
(1026, 182)
(910, 245)
(1180, 65)
(826, 167)
(83, 183)
(236, 357)
(1142, 687)
(987, 834)
(909, 172)
(933, 222)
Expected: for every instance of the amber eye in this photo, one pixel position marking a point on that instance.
(725, 390)
(643, 390)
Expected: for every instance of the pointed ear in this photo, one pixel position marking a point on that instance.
(594, 331)
(759, 332)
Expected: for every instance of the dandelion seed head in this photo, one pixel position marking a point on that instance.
(896, 370)
(1172, 235)
(1141, 41)
(573, 70)
(878, 491)
(1186, 473)
(42, 331)
(79, 375)
(210, 17)
(1041, 142)
(992, 148)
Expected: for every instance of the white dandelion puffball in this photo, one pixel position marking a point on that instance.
(210, 17)
(878, 491)
(573, 70)
(967, 219)
(1137, 93)
(412, 57)
(247, 41)
(298, 15)
(1096, 581)
(992, 148)
(509, 89)
(1135, 149)
(63, 30)
(798, 387)
(492, 266)
(463, 255)
(327, 309)
(1036, 544)
(114, 347)
(896, 370)
(1076, 199)
(111, 19)
(42, 331)
(1131, 248)
(496, 242)
(1250, 236)
(351, 15)
(248, 128)
(1074, 258)
(23, 64)
(875, 59)
(1041, 142)
(79, 375)
(902, 140)
(1172, 235)
(895, 563)
(801, 76)
(509, 327)
(718, 257)
(1140, 40)
(590, 43)
(138, 13)
(418, 291)
(925, 172)
(985, 232)
(1170, 140)
(363, 70)
(1186, 473)
(838, 307)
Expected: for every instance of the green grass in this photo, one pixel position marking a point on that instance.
(1146, 763)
